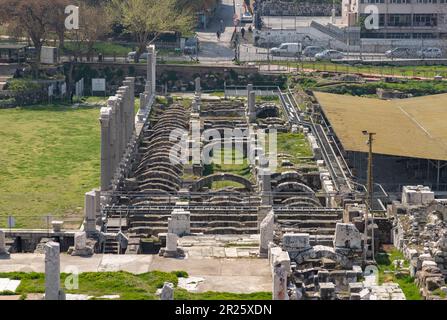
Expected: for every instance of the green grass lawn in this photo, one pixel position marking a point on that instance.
(409, 71)
(127, 285)
(50, 157)
(106, 48)
(294, 145)
(386, 274)
(228, 165)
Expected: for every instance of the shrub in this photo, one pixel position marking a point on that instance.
(21, 85)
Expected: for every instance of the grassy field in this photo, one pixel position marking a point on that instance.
(408, 71)
(106, 48)
(50, 157)
(294, 145)
(128, 286)
(386, 274)
(228, 165)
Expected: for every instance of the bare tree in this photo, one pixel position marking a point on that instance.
(93, 25)
(35, 18)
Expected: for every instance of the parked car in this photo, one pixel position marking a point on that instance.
(311, 51)
(430, 53)
(287, 50)
(246, 17)
(192, 45)
(131, 56)
(329, 55)
(398, 53)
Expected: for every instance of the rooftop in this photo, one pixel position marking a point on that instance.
(413, 128)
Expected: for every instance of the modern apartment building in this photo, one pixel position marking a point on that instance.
(399, 19)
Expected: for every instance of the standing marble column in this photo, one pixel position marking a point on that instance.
(198, 86)
(106, 156)
(280, 283)
(267, 230)
(252, 106)
(52, 272)
(266, 187)
(151, 67)
(132, 104)
(90, 212)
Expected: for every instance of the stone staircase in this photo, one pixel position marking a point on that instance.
(111, 245)
(220, 221)
(320, 223)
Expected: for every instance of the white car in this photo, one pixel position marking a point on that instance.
(247, 18)
(398, 53)
(329, 55)
(131, 56)
(430, 53)
(287, 50)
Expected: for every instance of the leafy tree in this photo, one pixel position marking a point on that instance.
(147, 19)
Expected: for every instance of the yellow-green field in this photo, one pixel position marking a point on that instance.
(50, 156)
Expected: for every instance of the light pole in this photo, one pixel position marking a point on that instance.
(369, 202)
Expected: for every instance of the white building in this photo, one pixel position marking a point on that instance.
(400, 19)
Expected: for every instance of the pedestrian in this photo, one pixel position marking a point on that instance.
(243, 33)
(218, 35)
(222, 27)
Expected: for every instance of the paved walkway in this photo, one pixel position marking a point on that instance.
(243, 275)
(218, 50)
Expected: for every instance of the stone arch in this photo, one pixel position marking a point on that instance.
(297, 201)
(289, 176)
(319, 252)
(208, 180)
(294, 187)
(267, 111)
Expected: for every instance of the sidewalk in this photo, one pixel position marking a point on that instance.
(220, 275)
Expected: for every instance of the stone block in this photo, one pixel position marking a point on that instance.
(90, 210)
(167, 292)
(180, 222)
(295, 242)
(282, 259)
(267, 232)
(52, 272)
(171, 242)
(365, 294)
(355, 287)
(280, 283)
(417, 195)
(57, 225)
(80, 240)
(273, 253)
(327, 291)
(347, 236)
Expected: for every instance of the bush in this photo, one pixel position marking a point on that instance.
(181, 274)
(21, 85)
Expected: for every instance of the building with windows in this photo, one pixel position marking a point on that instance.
(399, 19)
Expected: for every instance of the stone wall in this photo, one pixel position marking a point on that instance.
(178, 77)
(302, 8)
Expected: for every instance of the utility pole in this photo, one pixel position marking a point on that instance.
(369, 202)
